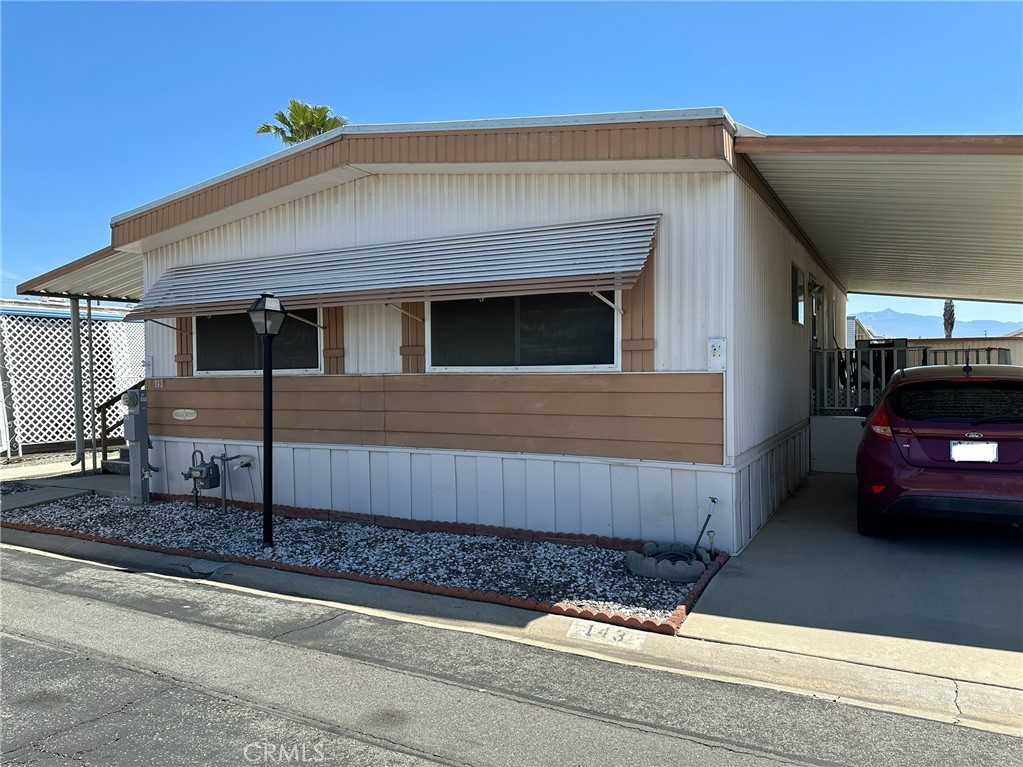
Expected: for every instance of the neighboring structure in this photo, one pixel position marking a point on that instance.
(856, 331)
(36, 377)
(588, 324)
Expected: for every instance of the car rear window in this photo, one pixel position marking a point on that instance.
(958, 400)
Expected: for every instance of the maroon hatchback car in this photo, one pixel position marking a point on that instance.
(944, 441)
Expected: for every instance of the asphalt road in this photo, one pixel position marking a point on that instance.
(103, 666)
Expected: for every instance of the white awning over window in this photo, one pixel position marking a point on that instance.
(588, 256)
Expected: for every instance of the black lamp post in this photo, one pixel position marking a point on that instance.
(267, 316)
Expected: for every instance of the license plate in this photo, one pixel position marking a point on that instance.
(979, 452)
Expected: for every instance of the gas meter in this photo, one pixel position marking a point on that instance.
(204, 476)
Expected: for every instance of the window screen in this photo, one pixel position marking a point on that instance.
(229, 342)
(547, 330)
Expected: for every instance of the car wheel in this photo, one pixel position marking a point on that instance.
(868, 521)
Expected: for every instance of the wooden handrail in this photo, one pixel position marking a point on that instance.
(104, 429)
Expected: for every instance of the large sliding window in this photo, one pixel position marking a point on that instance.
(556, 330)
(228, 343)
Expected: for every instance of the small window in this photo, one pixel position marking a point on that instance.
(556, 330)
(229, 343)
(798, 295)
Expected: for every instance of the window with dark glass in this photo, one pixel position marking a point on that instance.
(798, 299)
(229, 342)
(559, 329)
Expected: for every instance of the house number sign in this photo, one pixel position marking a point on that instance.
(605, 634)
(184, 414)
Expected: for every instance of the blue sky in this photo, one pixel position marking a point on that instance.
(107, 106)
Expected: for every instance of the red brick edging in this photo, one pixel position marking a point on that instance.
(668, 626)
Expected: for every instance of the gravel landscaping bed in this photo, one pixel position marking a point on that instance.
(587, 577)
(6, 488)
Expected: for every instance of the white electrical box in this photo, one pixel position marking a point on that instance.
(716, 353)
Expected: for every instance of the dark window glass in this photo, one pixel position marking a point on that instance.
(798, 299)
(960, 401)
(566, 329)
(229, 342)
(556, 329)
(473, 332)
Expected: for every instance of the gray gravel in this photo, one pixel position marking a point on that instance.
(6, 488)
(585, 576)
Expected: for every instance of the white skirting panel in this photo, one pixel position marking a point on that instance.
(767, 479)
(618, 498)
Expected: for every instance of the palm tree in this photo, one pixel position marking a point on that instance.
(303, 121)
(949, 316)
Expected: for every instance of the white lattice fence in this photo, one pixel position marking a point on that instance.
(38, 372)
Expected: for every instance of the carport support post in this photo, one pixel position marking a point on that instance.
(76, 375)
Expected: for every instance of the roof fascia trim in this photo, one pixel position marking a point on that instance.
(952, 145)
(608, 118)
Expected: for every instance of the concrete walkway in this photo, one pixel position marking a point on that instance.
(940, 599)
(48, 489)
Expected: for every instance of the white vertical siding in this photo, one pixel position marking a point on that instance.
(625, 499)
(691, 298)
(769, 355)
(372, 339)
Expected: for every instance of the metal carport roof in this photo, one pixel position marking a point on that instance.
(928, 216)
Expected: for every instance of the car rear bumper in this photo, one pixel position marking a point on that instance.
(955, 508)
(942, 493)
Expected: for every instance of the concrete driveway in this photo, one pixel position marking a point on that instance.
(938, 598)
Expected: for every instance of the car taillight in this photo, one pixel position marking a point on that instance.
(879, 422)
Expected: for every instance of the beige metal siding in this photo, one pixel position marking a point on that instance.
(690, 296)
(769, 354)
(372, 336)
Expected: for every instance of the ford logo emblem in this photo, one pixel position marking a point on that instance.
(973, 434)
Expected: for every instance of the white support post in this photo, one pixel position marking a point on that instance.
(76, 375)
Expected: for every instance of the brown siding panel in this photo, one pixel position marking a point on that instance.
(638, 322)
(334, 340)
(413, 338)
(183, 357)
(668, 416)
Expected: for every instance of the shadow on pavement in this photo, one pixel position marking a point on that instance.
(937, 581)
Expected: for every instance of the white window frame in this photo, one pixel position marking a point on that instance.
(277, 372)
(614, 367)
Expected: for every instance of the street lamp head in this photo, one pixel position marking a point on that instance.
(267, 315)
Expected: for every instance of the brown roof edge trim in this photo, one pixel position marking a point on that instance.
(31, 287)
(966, 145)
(749, 174)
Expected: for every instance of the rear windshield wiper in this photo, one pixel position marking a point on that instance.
(999, 419)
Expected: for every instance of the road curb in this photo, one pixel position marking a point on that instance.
(979, 706)
(670, 625)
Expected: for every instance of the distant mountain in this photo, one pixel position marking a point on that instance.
(892, 324)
